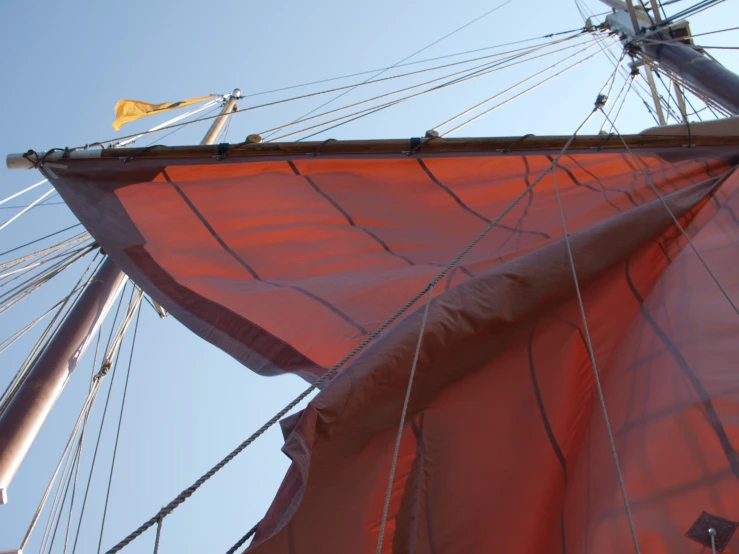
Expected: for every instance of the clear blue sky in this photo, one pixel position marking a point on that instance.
(64, 67)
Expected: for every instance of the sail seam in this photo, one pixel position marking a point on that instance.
(251, 270)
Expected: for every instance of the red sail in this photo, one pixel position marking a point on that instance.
(287, 263)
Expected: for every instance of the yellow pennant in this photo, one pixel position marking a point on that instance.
(131, 110)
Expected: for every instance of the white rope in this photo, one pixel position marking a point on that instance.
(596, 375)
(484, 69)
(18, 293)
(85, 410)
(171, 121)
(403, 413)
(20, 376)
(24, 210)
(44, 258)
(24, 190)
(676, 221)
(518, 84)
(533, 87)
(8, 342)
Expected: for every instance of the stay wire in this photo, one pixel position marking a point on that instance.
(102, 372)
(623, 103)
(550, 35)
(292, 99)
(5, 344)
(185, 494)
(136, 302)
(40, 239)
(520, 94)
(20, 376)
(49, 488)
(249, 534)
(677, 222)
(626, 86)
(596, 375)
(437, 41)
(472, 71)
(470, 74)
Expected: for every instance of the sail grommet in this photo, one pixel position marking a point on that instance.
(712, 531)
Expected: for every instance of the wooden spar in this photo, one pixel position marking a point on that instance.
(24, 415)
(441, 146)
(21, 421)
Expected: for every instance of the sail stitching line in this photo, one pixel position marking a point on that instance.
(403, 413)
(251, 271)
(591, 354)
(185, 494)
(346, 215)
(710, 414)
(473, 212)
(549, 431)
(674, 219)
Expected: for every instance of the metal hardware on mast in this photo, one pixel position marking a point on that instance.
(210, 136)
(24, 415)
(700, 72)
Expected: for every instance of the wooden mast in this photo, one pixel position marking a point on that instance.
(24, 415)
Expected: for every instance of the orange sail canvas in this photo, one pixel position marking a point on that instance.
(287, 262)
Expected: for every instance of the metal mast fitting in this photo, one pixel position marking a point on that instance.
(698, 71)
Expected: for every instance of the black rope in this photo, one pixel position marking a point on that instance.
(515, 143)
(243, 539)
(159, 526)
(142, 151)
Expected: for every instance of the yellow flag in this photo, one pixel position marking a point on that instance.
(131, 110)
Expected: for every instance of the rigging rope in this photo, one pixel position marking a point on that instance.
(596, 375)
(85, 408)
(22, 373)
(42, 238)
(618, 112)
(480, 71)
(550, 35)
(496, 8)
(243, 539)
(523, 92)
(403, 413)
(110, 363)
(134, 306)
(31, 205)
(268, 104)
(516, 54)
(626, 85)
(24, 190)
